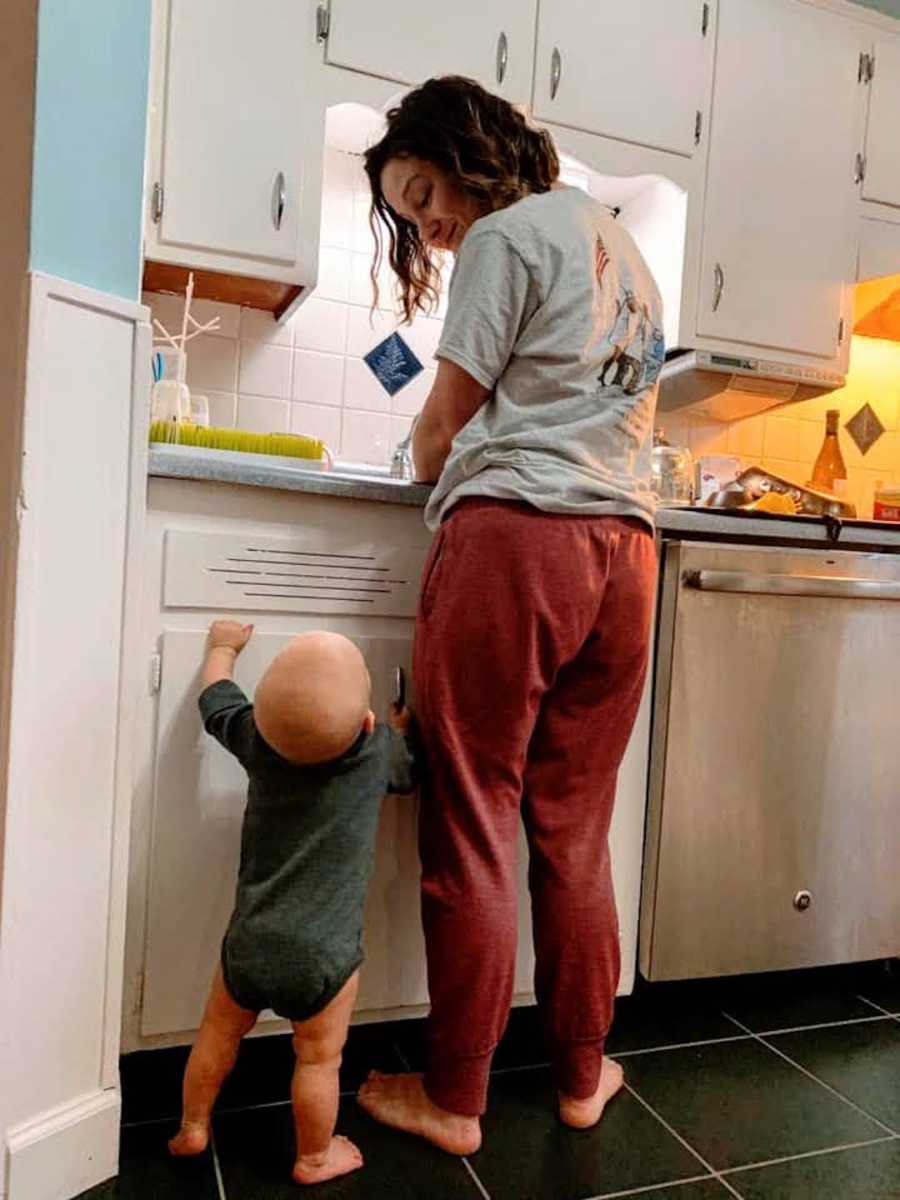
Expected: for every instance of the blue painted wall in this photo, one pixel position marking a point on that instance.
(891, 7)
(90, 126)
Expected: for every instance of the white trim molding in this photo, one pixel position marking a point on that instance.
(65, 1151)
(72, 686)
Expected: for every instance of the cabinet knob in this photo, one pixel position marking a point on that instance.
(802, 901)
(555, 72)
(718, 287)
(502, 56)
(279, 199)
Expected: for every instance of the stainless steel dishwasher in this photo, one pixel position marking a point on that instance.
(774, 823)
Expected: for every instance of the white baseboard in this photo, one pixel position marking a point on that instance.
(65, 1151)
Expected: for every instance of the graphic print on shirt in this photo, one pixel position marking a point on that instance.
(636, 348)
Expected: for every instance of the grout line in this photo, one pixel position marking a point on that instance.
(220, 1183)
(820, 1025)
(650, 1188)
(821, 1082)
(485, 1193)
(774, 1162)
(404, 1060)
(742, 1037)
(675, 1134)
(884, 1012)
(538, 1066)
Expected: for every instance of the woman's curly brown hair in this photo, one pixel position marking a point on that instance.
(481, 141)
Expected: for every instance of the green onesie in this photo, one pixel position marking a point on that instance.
(307, 847)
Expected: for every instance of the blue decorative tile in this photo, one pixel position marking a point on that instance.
(393, 364)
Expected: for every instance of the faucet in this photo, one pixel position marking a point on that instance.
(401, 461)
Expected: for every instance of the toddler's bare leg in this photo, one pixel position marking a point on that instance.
(318, 1043)
(212, 1057)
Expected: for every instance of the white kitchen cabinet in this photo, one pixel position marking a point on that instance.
(190, 796)
(882, 167)
(635, 72)
(780, 220)
(410, 41)
(235, 149)
(200, 796)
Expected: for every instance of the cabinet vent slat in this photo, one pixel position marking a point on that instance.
(228, 572)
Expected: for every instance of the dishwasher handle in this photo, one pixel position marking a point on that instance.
(839, 587)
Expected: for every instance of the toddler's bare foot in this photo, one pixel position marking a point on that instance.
(402, 1102)
(340, 1158)
(582, 1114)
(190, 1139)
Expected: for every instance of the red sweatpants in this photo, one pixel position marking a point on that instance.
(530, 658)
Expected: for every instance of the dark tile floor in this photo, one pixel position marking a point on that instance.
(781, 1087)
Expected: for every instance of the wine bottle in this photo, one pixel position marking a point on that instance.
(829, 472)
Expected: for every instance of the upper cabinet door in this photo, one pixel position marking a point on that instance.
(882, 178)
(631, 71)
(411, 41)
(233, 90)
(780, 220)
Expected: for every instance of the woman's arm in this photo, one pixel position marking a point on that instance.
(452, 402)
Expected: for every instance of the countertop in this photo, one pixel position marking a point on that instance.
(264, 470)
(260, 470)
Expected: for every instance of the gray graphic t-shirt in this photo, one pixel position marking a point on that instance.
(552, 307)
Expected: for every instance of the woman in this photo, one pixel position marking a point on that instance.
(532, 634)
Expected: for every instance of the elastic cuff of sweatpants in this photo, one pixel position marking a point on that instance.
(460, 1085)
(577, 1068)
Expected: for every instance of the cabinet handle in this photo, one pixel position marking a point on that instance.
(555, 72)
(502, 56)
(719, 287)
(859, 172)
(279, 200)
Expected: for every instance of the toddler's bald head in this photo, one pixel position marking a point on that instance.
(312, 702)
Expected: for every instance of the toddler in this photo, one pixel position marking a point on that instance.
(318, 765)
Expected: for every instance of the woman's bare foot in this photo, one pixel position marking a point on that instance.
(402, 1102)
(190, 1139)
(340, 1158)
(582, 1114)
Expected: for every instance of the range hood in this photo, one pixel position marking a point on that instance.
(728, 387)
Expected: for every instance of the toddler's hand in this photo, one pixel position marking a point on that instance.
(231, 635)
(399, 719)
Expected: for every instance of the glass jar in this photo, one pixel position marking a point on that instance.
(671, 473)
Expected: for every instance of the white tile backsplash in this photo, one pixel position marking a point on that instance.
(313, 420)
(222, 409)
(229, 316)
(409, 400)
(334, 274)
(258, 326)
(362, 390)
(366, 329)
(423, 336)
(265, 370)
(212, 364)
(366, 437)
(321, 325)
(262, 414)
(318, 378)
(400, 427)
(361, 283)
